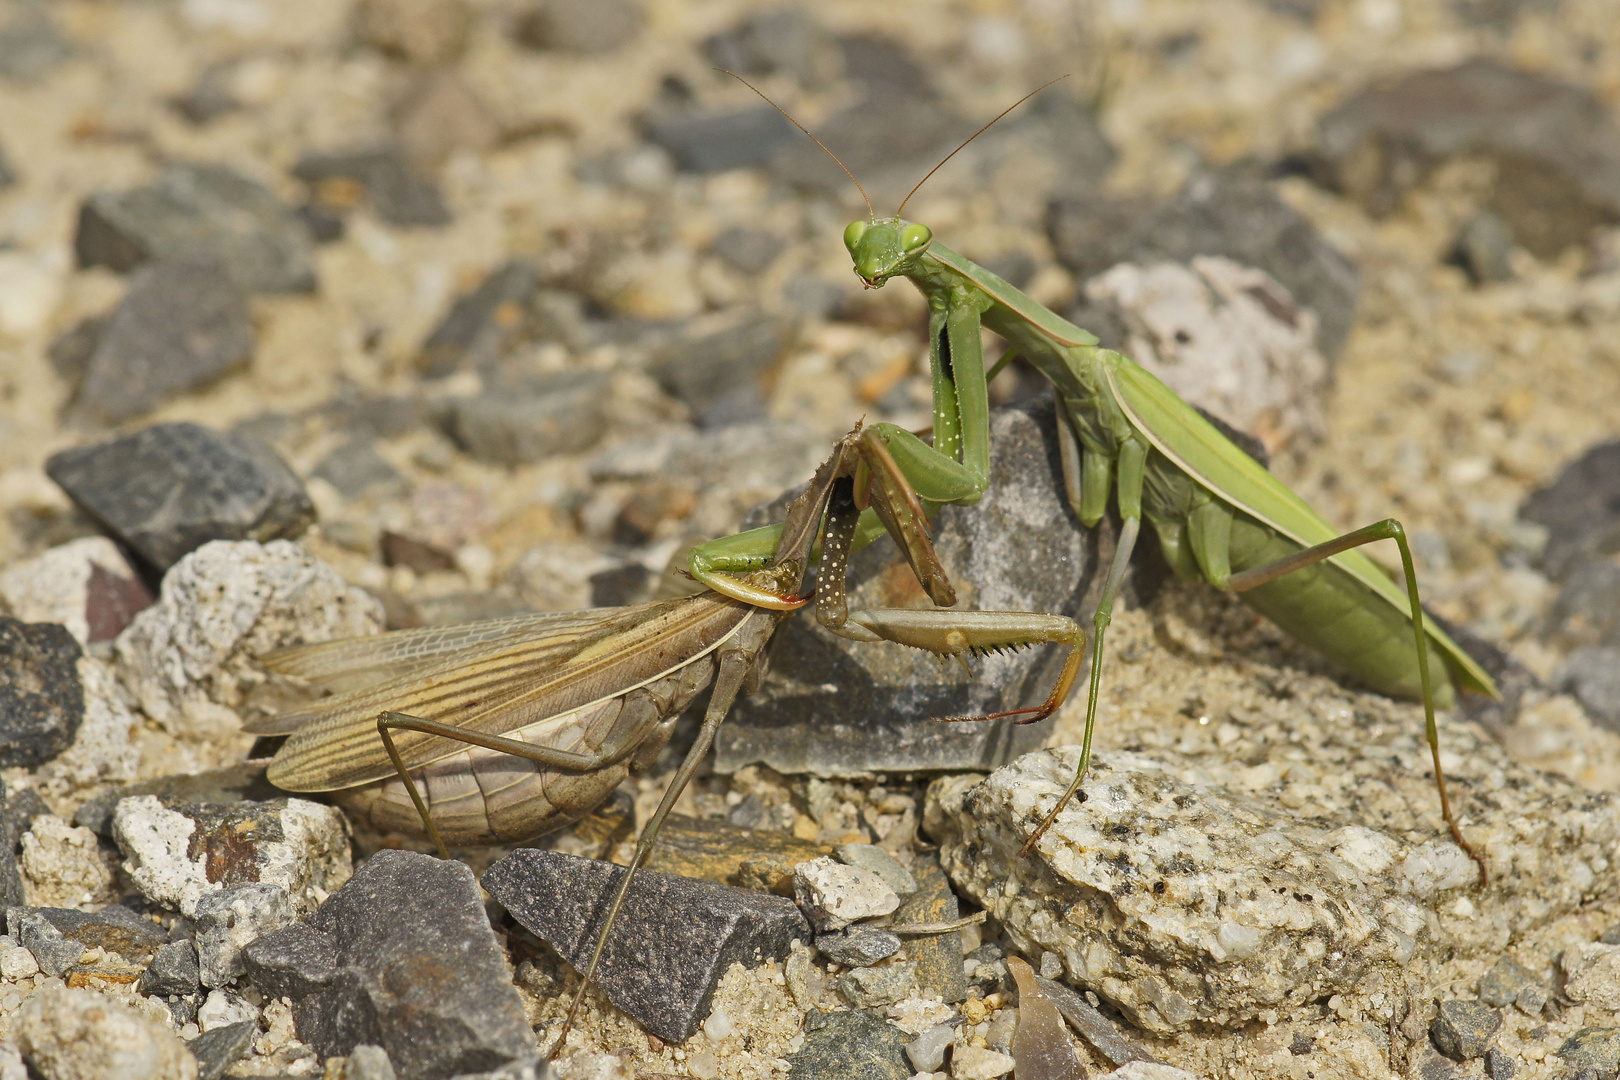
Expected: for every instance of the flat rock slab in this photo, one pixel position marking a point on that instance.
(855, 1045)
(170, 488)
(674, 939)
(836, 707)
(402, 957)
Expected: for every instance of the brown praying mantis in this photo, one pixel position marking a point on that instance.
(503, 730)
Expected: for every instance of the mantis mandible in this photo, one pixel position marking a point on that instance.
(506, 729)
(1219, 515)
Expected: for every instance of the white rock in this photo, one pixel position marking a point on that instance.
(1592, 975)
(11, 1063)
(78, 1035)
(927, 1051)
(222, 1010)
(62, 865)
(1149, 1070)
(54, 586)
(834, 895)
(101, 751)
(979, 1063)
(17, 962)
(188, 659)
(30, 289)
(227, 920)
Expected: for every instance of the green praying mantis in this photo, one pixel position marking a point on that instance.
(1219, 515)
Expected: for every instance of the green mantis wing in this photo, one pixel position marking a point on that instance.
(1176, 430)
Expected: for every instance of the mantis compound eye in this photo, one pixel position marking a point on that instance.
(915, 238)
(853, 233)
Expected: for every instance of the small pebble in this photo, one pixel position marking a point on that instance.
(717, 1026)
(927, 1051)
(979, 1063)
(1463, 1029)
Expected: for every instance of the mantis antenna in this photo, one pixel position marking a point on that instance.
(870, 213)
(959, 149)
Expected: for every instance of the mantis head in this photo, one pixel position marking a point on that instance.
(885, 249)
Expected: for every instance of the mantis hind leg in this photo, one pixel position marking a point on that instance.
(1388, 529)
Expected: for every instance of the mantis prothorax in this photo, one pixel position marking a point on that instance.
(1219, 515)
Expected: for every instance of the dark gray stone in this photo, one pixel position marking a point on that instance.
(41, 697)
(168, 489)
(209, 97)
(1241, 219)
(1498, 1066)
(219, 1049)
(1592, 674)
(356, 468)
(835, 707)
(183, 324)
(1504, 982)
(1463, 1029)
(1482, 249)
(408, 962)
(937, 957)
(712, 142)
(785, 41)
(620, 586)
(1587, 610)
(1555, 146)
(115, 928)
(173, 970)
(747, 250)
(674, 939)
(1099, 1032)
(1595, 1048)
(859, 946)
(199, 210)
(579, 26)
(397, 194)
(54, 951)
(30, 43)
(719, 377)
(560, 415)
(484, 325)
(1581, 510)
(815, 297)
(855, 1045)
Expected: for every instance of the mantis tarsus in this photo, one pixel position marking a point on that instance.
(1219, 515)
(515, 727)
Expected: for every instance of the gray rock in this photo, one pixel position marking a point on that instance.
(1581, 510)
(855, 1045)
(11, 830)
(712, 142)
(1498, 1066)
(786, 41)
(183, 325)
(858, 946)
(836, 707)
(410, 964)
(1587, 611)
(369, 1063)
(30, 43)
(356, 468)
(484, 325)
(875, 987)
(561, 415)
(8, 175)
(1592, 674)
(199, 210)
(421, 31)
(1099, 1032)
(579, 26)
(1240, 219)
(749, 251)
(219, 1049)
(1462, 1030)
(1555, 146)
(41, 695)
(1504, 982)
(674, 939)
(880, 862)
(719, 376)
(396, 192)
(231, 918)
(114, 928)
(210, 97)
(54, 951)
(1592, 1048)
(168, 489)
(1482, 249)
(173, 970)
(937, 957)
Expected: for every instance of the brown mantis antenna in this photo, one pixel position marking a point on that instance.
(870, 213)
(969, 139)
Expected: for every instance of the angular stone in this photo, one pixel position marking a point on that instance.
(396, 192)
(1592, 1047)
(579, 26)
(356, 468)
(234, 784)
(563, 414)
(1099, 1032)
(195, 210)
(1581, 510)
(170, 488)
(183, 325)
(1498, 1066)
(76, 1033)
(1555, 145)
(180, 853)
(173, 970)
(713, 142)
(484, 325)
(857, 1045)
(833, 895)
(749, 251)
(858, 946)
(41, 696)
(408, 963)
(674, 938)
(938, 957)
(230, 919)
(1462, 1030)
(1504, 983)
(716, 851)
(876, 987)
(222, 1047)
(1231, 217)
(1587, 611)
(880, 862)
(835, 707)
(54, 951)
(86, 585)
(719, 376)
(1482, 249)
(1592, 674)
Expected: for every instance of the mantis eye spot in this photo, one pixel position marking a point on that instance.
(853, 233)
(915, 238)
